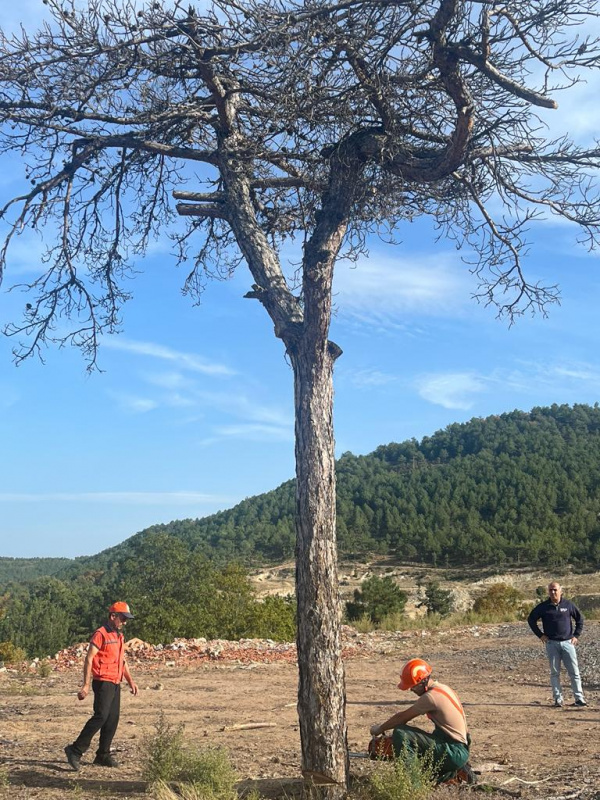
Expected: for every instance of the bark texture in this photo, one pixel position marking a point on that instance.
(321, 691)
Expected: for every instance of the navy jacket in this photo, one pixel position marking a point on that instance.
(557, 620)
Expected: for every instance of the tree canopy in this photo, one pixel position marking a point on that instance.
(323, 121)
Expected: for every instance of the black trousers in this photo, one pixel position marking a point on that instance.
(107, 707)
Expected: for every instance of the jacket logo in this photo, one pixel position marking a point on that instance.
(563, 609)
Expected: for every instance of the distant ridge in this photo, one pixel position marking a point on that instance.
(521, 488)
(27, 569)
(512, 488)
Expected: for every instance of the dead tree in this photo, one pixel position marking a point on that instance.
(270, 121)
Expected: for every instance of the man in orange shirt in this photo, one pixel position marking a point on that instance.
(450, 740)
(104, 668)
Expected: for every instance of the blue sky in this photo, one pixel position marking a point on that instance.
(193, 410)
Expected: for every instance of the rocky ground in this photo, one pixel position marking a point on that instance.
(522, 746)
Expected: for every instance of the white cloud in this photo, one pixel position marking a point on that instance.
(174, 381)
(240, 405)
(188, 361)
(451, 389)
(182, 391)
(379, 291)
(586, 374)
(129, 402)
(256, 432)
(459, 389)
(370, 378)
(557, 376)
(126, 498)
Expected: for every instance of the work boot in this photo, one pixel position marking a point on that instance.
(105, 761)
(73, 757)
(466, 775)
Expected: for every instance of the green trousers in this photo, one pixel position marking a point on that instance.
(448, 755)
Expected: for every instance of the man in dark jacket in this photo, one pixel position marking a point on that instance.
(559, 636)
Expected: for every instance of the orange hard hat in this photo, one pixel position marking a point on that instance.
(413, 672)
(121, 608)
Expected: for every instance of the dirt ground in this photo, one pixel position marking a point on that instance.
(522, 746)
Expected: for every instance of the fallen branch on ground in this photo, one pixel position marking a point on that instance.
(246, 726)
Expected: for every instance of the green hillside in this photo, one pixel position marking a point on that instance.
(27, 569)
(518, 488)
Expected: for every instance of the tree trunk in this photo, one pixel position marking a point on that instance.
(321, 691)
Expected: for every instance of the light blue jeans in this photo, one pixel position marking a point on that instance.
(565, 652)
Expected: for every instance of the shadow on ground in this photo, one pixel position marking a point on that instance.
(68, 779)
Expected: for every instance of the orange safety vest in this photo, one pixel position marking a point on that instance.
(109, 659)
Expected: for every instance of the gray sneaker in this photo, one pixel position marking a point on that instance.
(558, 704)
(73, 757)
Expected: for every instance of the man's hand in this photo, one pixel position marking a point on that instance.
(376, 730)
(83, 692)
(574, 641)
(544, 638)
(133, 688)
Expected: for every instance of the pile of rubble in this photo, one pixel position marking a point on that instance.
(183, 651)
(255, 651)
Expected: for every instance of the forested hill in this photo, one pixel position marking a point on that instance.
(26, 569)
(515, 488)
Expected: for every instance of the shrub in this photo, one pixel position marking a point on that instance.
(588, 605)
(164, 755)
(407, 777)
(168, 760)
(210, 770)
(437, 600)
(43, 668)
(274, 618)
(500, 602)
(377, 598)
(11, 654)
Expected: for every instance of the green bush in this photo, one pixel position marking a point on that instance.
(588, 604)
(210, 770)
(169, 760)
(407, 777)
(378, 598)
(11, 654)
(44, 669)
(163, 752)
(500, 601)
(437, 600)
(274, 618)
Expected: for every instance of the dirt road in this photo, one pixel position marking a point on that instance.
(521, 744)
